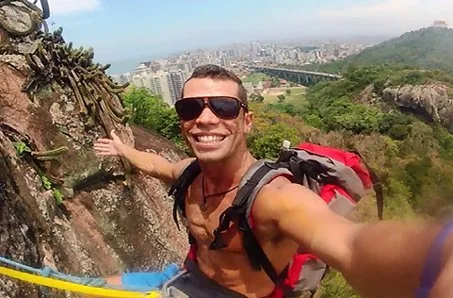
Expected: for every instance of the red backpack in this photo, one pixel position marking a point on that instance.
(337, 176)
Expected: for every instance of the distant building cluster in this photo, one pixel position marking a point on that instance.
(300, 55)
(166, 76)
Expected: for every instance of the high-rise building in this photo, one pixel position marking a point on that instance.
(138, 79)
(167, 84)
(175, 81)
(224, 61)
(158, 85)
(122, 78)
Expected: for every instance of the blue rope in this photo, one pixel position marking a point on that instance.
(50, 272)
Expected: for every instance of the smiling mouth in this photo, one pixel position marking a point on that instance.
(209, 139)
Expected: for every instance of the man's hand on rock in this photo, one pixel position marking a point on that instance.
(109, 147)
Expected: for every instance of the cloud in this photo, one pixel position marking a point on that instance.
(65, 7)
(390, 17)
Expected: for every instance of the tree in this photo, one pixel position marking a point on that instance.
(256, 97)
(281, 98)
(275, 82)
(259, 98)
(152, 112)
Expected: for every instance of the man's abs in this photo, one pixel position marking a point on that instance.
(233, 271)
(230, 267)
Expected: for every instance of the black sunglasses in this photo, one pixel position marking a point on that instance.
(224, 107)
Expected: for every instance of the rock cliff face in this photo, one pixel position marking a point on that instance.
(62, 206)
(431, 101)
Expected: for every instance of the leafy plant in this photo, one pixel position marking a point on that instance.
(58, 196)
(45, 182)
(49, 186)
(21, 147)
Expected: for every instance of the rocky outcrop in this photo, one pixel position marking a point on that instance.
(62, 206)
(431, 101)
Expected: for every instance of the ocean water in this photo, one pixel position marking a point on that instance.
(128, 64)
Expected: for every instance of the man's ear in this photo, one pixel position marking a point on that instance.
(248, 121)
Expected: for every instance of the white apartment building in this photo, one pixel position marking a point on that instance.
(167, 84)
(159, 85)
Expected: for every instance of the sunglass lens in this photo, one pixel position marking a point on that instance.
(224, 107)
(189, 109)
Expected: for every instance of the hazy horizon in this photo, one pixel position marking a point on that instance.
(128, 63)
(144, 30)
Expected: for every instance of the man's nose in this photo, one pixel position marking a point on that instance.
(207, 117)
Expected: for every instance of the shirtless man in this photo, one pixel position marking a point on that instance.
(379, 260)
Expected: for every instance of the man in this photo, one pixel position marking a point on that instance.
(379, 260)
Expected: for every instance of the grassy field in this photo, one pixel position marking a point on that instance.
(297, 95)
(255, 78)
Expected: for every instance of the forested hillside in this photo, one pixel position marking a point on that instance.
(427, 48)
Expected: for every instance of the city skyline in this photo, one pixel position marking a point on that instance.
(148, 29)
(165, 76)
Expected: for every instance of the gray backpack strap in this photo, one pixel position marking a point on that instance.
(261, 173)
(179, 187)
(272, 170)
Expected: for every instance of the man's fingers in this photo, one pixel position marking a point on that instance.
(114, 136)
(103, 141)
(102, 153)
(102, 149)
(103, 145)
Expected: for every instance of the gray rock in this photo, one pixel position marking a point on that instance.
(431, 100)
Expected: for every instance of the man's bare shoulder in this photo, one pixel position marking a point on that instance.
(273, 196)
(179, 167)
(281, 196)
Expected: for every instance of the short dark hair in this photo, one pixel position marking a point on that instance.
(216, 72)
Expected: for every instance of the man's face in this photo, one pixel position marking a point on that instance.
(212, 138)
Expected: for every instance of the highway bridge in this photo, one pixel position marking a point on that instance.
(302, 77)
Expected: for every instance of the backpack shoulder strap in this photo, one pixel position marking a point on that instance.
(377, 185)
(180, 186)
(261, 173)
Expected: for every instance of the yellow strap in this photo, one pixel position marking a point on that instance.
(73, 287)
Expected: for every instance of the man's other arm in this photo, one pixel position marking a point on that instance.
(149, 163)
(383, 259)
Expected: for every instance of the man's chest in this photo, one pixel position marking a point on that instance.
(203, 219)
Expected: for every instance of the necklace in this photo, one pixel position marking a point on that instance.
(204, 205)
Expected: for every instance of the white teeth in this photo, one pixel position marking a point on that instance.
(210, 139)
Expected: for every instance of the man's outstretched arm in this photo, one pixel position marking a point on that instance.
(149, 163)
(383, 259)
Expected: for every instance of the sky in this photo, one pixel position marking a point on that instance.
(144, 29)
